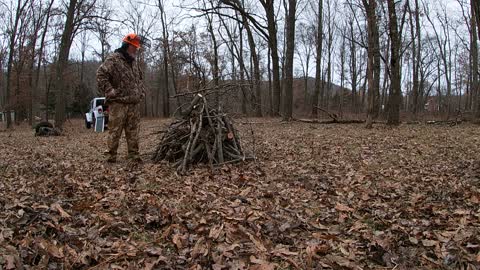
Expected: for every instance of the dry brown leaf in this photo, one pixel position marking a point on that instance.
(245, 192)
(218, 266)
(10, 262)
(342, 261)
(413, 240)
(312, 252)
(56, 206)
(199, 249)
(150, 265)
(50, 248)
(285, 226)
(267, 266)
(177, 240)
(283, 251)
(259, 245)
(215, 232)
(261, 264)
(429, 243)
(343, 208)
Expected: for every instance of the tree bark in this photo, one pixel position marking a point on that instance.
(256, 95)
(215, 69)
(165, 93)
(395, 89)
(62, 65)
(269, 8)
(318, 58)
(476, 7)
(415, 60)
(353, 68)
(373, 65)
(474, 86)
(11, 51)
(290, 36)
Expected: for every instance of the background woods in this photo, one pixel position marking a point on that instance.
(362, 59)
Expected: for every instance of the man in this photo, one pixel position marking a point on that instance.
(121, 81)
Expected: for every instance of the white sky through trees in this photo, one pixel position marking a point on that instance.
(180, 19)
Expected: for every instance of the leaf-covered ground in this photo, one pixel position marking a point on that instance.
(319, 197)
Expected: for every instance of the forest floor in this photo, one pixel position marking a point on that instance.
(318, 197)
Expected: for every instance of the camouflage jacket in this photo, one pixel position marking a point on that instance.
(120, 80)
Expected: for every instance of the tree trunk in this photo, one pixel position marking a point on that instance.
(215, 69)
(165, 92)
(269, 7)
(270, 85)
(318, 58)
(290, 36)
(373, 77)
(474, 90)
(353, 68)
(395, 88)
(415, 65)
(256, 96)
(476, 7)
(11, 51)
(62, 65)
(242, 73)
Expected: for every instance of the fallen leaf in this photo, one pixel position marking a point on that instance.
(215, 232)
(10, 260)
(413, 240)
(342, 261)
(429, 243)
(50, 248)
(343, 208)
(177, 240)
(285, 226)
(56, 206)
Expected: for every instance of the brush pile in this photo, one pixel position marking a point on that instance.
(202, 135)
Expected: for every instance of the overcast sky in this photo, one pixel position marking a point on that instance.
(180, 19)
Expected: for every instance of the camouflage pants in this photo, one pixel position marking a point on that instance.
(123, 117)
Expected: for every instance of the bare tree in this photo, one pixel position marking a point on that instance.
(269, 8)
(373, 66)
(78, 12)
(165, 47)
(415, 33)
(318, 58)
(330, 39)
(304, 51)
(476, 14)
(444, 48)
(474, 35)
(395, 49)
(103, 30)
(290, 50)
(13, 27)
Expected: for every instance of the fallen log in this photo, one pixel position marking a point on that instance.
(314, 121)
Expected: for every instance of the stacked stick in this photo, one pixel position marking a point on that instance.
(202, 135)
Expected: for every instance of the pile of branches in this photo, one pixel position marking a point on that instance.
(202, 135)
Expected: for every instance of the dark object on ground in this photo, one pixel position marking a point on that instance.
(202, 135)
(42, 124)
(46, 129)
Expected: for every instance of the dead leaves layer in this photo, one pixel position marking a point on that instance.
(336, 197)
